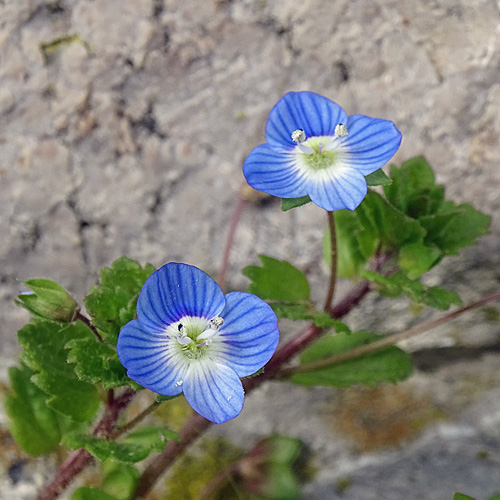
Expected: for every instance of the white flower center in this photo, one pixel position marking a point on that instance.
(319, 152)
(194, 335)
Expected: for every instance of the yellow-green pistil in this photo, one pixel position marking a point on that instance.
(319, 153)
(320, 158)
(194, 335)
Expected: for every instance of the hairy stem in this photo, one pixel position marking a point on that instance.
(192, 429)
(79, 459)
(84, 319)
(333, 261)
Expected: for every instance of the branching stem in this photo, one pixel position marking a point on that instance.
(386, 341)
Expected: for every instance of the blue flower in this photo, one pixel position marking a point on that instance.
(313, 148)
(189, 337)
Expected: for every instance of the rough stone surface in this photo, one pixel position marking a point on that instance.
(129, 139)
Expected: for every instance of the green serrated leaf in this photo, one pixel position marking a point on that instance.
(374, 224)
(399, 283)
(88, 493)
(417, 258)
(44, 351)
(307, 312)
(289, 203)
(160, 398)
(33, 425)
(69, 396)
(455, 227)
(413, 190)
(394, 228)
(277, 280)
(134, 448)
(378, 178)
(461, 496)
(97, 363)
(119, 479)
(112, 303)
(388, 364)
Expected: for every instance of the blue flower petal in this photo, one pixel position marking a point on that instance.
(249, 335)
(314, 114)
(213, 390)
(371, 142)
(151, 360)
(177, 290)
(338, 188)
(275, 172)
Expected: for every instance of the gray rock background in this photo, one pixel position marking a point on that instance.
(130, 139)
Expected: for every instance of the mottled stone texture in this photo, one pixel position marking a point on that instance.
(129, 138)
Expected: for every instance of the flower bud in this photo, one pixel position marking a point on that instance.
(49, 300)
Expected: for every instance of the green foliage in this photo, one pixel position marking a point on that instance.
(388, 364)
(377, 178)
(44, 351)
(454, 227)
(34, 426)
(414, 225)
(461, 496)
(277, 481)
(48, 300)
(112, 303)
(277, 280)
(134, 448)
(119, 479)
(413, 190)
(289, 203)
(88, 493)
(96, 363)
(301, 311)
(398, 283)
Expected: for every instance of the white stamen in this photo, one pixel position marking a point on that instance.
(332, 144)
(183, 340)
(298, 136)
(307, 150)
(341, 130)
(216, 323)
(206, 334)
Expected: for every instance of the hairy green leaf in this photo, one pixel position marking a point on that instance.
(307, 312)
(134, 448)
(112, 303)
(388, 364)
(88, 493)
(417, 258)
(97, 363)
(398, 284)
(413, 189)
(455, 227)
(33, 424)
(378, 178)
(289, 203)
(119, 479)
(44, 351)
(277, 280)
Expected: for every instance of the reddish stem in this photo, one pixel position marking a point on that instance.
(230, 239)
(79, 459)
